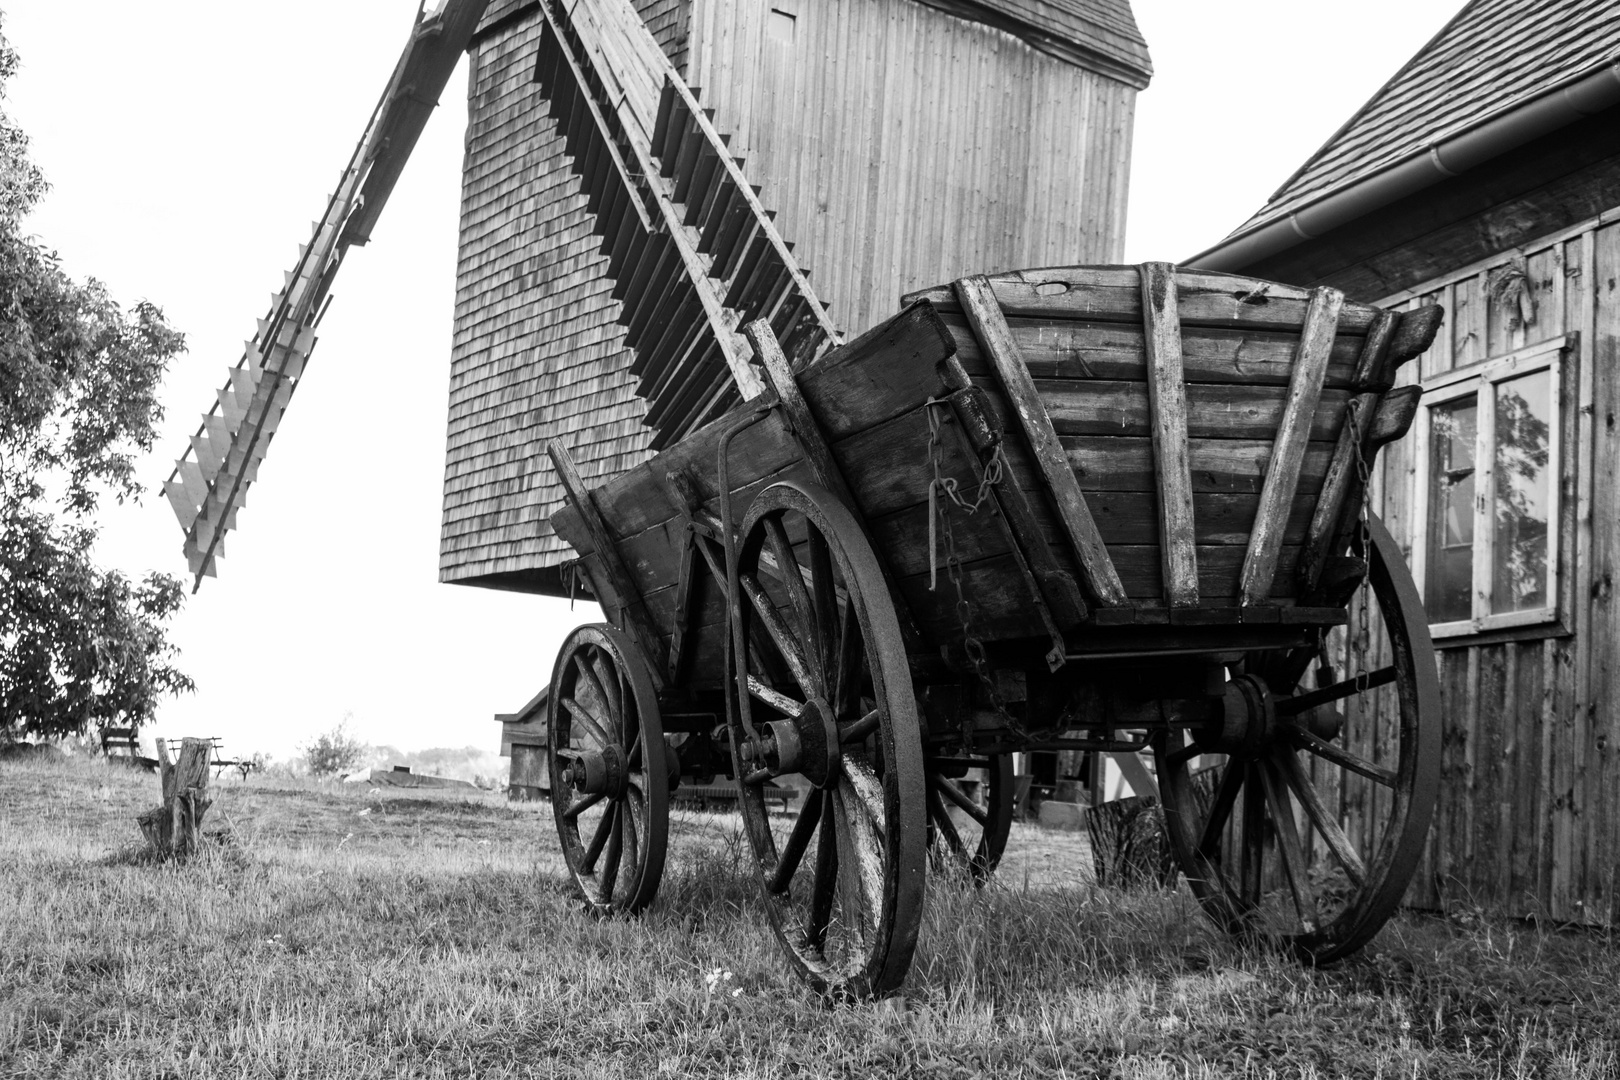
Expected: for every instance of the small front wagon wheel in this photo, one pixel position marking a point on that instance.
(609, 780)
(822, 701)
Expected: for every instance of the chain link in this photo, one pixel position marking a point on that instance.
(940, 513)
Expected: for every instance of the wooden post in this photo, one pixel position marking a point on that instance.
(173, 828)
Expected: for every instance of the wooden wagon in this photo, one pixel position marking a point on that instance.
(1110, 509)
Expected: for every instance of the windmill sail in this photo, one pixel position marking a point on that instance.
(211, 478)
(692, 252)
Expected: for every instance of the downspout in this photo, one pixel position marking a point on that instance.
(1450, 157)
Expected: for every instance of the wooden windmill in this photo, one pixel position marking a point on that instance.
(615, 234)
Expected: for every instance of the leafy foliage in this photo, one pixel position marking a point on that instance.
(335, 751)
(80, 647)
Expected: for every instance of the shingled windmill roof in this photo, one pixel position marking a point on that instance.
(1492, 57)
(1098, 34)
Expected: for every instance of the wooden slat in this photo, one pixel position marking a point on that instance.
(779, 377)
(1320, 543)
(979, 302)
(1288, 452)
(1167, 401)
(637, 619)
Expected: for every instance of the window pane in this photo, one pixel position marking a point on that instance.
(1451, 510)
(1523, 438)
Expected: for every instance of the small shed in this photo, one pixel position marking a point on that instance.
(1485, 177)
(523, 739)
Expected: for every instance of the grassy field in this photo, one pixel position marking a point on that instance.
(334, 932)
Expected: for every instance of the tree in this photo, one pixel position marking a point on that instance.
(81, 648)
(335, 751)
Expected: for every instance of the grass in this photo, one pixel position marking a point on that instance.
(335, 932)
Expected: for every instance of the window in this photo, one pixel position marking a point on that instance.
(1488, 475)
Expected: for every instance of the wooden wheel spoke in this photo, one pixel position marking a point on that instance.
(1295, 865)
(792, 576)
(823, 598)
(949, 790)
(867, 789)
(615, 852)
(774, 698)
(857, 730)
(632, 755)
(824, 884)
(604, 828)
(941, 817)
(593, 725)
(1327, 828)
(860, 862)
(609, 681)
(631, 838)
(1338, 691)
(851, 661)
(583, 805)
(787, 863)
(778, 631)
(1220, 809)
(1343, 758)
(1252, 864)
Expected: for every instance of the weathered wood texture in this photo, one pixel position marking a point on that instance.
(174, 828)
(826, 123)
(1528, 821)
(871, 124)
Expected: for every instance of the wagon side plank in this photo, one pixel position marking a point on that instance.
(1299, 415)
(638, 620)
(995, 338)
(1167, 401)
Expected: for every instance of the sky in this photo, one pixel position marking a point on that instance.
(190, 144)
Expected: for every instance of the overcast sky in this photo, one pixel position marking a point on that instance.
(190, 143)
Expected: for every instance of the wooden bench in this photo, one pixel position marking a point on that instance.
(123, 744)
(217, 759)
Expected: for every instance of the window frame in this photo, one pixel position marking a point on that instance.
(1480, 380)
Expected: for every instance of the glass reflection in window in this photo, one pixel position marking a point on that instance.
(1449, 589)
(1519, 540)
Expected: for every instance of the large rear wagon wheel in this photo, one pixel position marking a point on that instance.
(822, 700)
(609, 775)
(1305, 825)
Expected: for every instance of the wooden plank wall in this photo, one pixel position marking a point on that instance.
(903, 147)
(538, 352)
(1529, 814)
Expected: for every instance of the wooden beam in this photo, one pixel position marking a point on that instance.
(1167, 402)
(779, 377)
(1288, 450)
(996, 340)
(637, 619)
(1321, 538)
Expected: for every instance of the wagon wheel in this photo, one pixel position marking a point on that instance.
(822, 698)
(609, 778)
(1309, 829)
(963, 832)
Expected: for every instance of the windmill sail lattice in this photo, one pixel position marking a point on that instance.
(692, 252)
(210, 480)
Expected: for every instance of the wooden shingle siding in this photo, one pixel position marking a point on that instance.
(537, 350)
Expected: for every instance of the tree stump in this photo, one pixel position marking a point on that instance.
(1128, 846)
(173, 828)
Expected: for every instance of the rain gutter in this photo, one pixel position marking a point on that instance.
(1442, 160)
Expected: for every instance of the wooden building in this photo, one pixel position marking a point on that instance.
(1485, 176)
(900, 142)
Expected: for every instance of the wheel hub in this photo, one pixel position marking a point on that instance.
(806, 744)
(1248, 722)
(598, 772)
